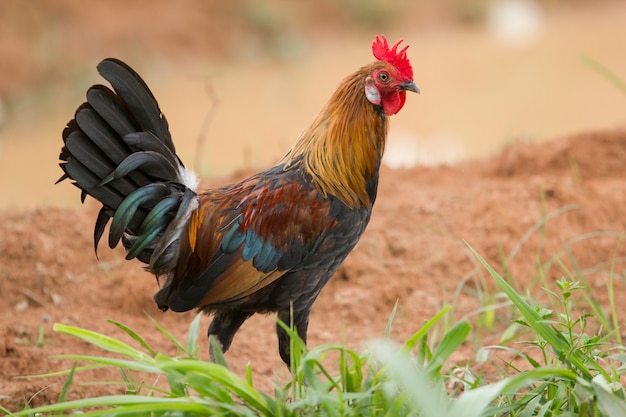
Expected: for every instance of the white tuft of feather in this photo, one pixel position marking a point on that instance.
(169, 244)
(189, 178)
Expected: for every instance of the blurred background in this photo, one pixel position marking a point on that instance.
(239, 80)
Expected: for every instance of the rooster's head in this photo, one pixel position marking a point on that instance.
(390, 78)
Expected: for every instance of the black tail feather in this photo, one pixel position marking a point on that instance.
(111, 108)
(119, 150)
(104, 137)
(104, 216)
(151, 163)
(96, 162)
(135, 93)
(101, 134)
(146, 141)
(88, 182)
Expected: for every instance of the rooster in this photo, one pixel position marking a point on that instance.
(267, 244)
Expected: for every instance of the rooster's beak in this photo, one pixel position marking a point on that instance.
(409, 86)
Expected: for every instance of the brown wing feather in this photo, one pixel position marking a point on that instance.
(239, 281)
(242, 238)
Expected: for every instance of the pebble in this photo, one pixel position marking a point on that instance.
(21, 306)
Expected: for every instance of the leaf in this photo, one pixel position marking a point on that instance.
(609, 403)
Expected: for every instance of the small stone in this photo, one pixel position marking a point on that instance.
(21, 306)
(56, 299)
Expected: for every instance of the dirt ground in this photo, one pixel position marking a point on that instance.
(412, 252)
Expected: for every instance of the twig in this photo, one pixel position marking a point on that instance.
(33, 297)
(608, 75)
(204, 128)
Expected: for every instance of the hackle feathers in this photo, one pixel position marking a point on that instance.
(341, 150)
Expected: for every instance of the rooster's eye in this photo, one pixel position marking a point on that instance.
(383, 76)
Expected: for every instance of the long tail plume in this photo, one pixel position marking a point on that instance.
(118, 149)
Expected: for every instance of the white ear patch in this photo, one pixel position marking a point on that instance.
(372, 94)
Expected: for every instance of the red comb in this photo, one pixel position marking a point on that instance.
(381, 50)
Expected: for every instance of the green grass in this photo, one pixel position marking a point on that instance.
(558, 369)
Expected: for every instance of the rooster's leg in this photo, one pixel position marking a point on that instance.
(300, 325)
(224, 326)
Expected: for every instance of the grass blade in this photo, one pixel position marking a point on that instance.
(144, 366)
(134, 335)
(391, 317)
(100, 340)
(535, 321)
(423, 331)
(66, 386)
(222, 375)
(192, 338)
(450, 342)
(475, 403)
(425, 396)
(608, 75)
(169, 335)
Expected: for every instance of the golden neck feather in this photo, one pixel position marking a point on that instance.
(341, 150)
